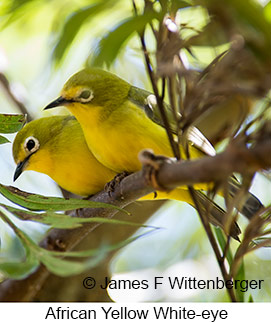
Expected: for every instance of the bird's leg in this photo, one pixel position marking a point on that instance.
(151, 165)
(110, 186)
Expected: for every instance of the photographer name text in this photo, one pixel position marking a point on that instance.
(181, 283)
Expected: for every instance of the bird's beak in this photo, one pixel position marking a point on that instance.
(20, 168)
(18, 171)
(59, 101)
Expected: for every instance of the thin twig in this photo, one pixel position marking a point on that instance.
(226, 248)
(213, 242)
(172, 101)
(6, 85)
(160, 104)
(209, 233)
(163, 88)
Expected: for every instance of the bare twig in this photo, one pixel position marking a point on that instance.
(6, 85)
(220, 259)
(160, 104)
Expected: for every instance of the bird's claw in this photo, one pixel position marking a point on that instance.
(151, 165)
(110, 186)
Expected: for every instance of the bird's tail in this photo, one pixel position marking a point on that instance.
(215, 213)
(251, 203)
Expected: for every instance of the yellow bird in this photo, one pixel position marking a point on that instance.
(119, 120)
(56, 146)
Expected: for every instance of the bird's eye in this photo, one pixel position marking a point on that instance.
(31, 144)
(85, 96)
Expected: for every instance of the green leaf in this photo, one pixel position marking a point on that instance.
(39, 202)
(267, 12)
(180, 4)
(61, 267)
(248, 15)
(240, 276)
(36, 255)
(222, 242)
(252, 14)
(211, 35)
(18, 4)
(23, 11)
(250, 299)
(63, 221)
(3, 140)
(74, 23)
(241, 271)
(109, 248)
(19, 269)
(10, 123)
(110, 45)
(64, 268)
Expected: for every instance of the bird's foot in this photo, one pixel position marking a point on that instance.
(151, 165)
(110, 186)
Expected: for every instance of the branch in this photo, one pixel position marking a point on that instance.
(238, 159)
(6, 85)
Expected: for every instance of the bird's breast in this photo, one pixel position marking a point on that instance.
(117, 140)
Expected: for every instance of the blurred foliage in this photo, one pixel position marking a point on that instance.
(74, 22)
(10, 123)
(34, 255)
(210, 47)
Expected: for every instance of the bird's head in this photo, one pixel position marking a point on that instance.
(33, 145)
(92, 87)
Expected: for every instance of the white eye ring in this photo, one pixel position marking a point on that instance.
(31, 144)
(86, 95)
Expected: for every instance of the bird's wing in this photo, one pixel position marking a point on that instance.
(147, 102)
